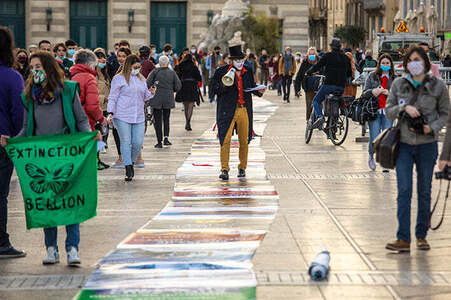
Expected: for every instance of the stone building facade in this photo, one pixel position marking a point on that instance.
(102, 22)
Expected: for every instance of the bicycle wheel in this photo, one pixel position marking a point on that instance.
(338, 130)
(309, 127)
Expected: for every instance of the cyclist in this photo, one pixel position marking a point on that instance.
(337, 68)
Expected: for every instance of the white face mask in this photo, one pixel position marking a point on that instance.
(135, 72)
(193, 50)
(415, 67)
(238, 64)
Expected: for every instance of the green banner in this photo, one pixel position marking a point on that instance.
(58, 177)
(447, 35)
(135, 294)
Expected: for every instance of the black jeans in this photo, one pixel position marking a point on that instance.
(286, 85)
(6, 170)
(161, 119)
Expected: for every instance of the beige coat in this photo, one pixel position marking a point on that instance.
(104, 89)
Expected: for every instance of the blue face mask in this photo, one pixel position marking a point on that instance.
(154, 51)
(71, 52)
(312, 57)
(385, 68)
(101, 66)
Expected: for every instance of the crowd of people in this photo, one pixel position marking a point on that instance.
(63, 88)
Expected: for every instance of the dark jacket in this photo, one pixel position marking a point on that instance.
(168, 84)
(228, 98)
(301, 77)
(147, 66)
(262, 61)
(11, 108)
(337, 67)
(190, 77)
(368, 62)
(113, 65)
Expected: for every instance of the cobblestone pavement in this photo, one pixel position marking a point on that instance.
(327, 198)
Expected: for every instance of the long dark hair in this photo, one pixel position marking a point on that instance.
(379, 71)
(6, 47)
(54, 74)
(188, 57)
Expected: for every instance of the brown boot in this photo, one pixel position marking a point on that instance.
(422, 244)
(398, 245)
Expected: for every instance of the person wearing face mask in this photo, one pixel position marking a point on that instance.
(263, 62)
(308, 83)
(287, 68)
(60, 51)
(22, 65)
(52, 106)
(416, 94)
(214, 61)
(126, 110)
(103, 83)
(11, 120)
(153, 54)
(234, 109)
(378, 84)
(168, 83)
(71, 47)
(122, 55)
(167, 51)
(146, 64)
(195, 53)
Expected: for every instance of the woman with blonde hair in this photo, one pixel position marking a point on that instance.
(126, 110)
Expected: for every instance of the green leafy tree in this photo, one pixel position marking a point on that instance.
(351, 35)
(261, 32)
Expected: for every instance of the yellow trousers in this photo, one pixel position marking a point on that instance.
(242, 125)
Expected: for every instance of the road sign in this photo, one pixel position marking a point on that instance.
(402, 27)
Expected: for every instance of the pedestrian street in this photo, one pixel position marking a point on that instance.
(178, 232)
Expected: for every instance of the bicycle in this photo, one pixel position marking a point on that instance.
(149, 118)
(337, 124)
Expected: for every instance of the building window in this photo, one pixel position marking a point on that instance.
(405, 8)
(439, 11)
(411, 5)
(381, 23)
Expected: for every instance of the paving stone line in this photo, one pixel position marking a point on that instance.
(42, 282)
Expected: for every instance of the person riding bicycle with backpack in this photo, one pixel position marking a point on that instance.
(337, 68)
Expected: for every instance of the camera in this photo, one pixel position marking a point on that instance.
(445, 174)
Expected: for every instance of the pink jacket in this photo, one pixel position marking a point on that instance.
(435, 72)
(89, 92)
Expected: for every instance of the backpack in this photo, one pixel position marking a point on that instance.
(356, 111)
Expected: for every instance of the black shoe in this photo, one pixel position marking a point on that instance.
(279, 94)
(10, 252)
(224, 175)
(188, 127)
(159, 145)
(318, 123)
(288, 99)
(167, 142)
(241, 173)
(101, 165)
(129, 173)
(133, 171)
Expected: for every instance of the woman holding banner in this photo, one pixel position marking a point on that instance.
(126, 107)
(50, 104)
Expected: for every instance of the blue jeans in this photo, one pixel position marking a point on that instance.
(424, 157)
(321, 95)
(376, 127)
(72, 236)
(132, 138)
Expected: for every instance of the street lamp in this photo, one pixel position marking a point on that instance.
(48, 17)
(131, 19)
(209, 17)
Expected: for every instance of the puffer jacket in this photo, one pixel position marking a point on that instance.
(432, 102)
(89, 92)
(103, 85)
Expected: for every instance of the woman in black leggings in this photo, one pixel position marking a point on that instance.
(167, 83)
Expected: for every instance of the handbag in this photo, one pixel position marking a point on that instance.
(386, 144)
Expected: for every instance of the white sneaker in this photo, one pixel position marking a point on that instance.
(52, 257)
(72, 257)
(371, 163)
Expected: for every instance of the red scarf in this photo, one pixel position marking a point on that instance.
(382, 97)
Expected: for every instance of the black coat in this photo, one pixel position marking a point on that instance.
(301, 77)
(228, 98)
(190, 77)
(337, 67)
